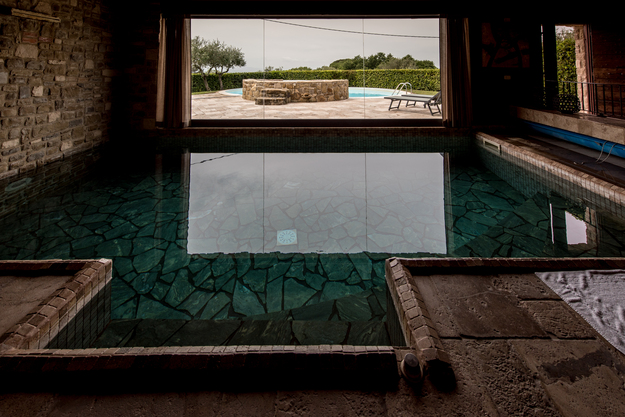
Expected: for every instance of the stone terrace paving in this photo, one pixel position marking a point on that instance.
(226, 106)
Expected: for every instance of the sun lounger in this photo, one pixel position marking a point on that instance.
(413, 99)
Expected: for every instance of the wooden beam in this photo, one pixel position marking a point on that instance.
(26, 14)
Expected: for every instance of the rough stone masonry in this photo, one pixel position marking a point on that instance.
(55, 83)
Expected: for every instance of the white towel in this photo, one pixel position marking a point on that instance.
(598, 296)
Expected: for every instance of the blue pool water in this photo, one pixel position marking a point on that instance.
(354, 92)
(295, 238)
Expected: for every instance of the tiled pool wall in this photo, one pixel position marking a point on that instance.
(87, 324)
(70, 318)
(509, 158)
(396, 140)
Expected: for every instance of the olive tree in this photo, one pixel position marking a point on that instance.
(215, 56)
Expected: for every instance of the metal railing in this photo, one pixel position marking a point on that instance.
(600, 99)
(400, 87)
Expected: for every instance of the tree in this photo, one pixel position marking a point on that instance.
(214, 56)
(347, 63)
(374, 61)
(407, 62)
(200, 61)
(382, 61)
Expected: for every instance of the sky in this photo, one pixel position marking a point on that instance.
(279, 43)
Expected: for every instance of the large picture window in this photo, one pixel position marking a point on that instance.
(276, 71)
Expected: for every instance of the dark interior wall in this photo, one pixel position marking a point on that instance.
(608, 53)
(136, 36)
(506, 66)
(608, 65)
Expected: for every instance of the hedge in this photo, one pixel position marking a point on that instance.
(421, 79)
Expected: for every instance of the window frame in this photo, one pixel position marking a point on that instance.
(250, 123)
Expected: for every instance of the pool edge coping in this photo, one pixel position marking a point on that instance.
(45, 321)
(19, 354)
(607, 190)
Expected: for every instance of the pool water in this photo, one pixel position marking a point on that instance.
(287, 248)
(357, 92)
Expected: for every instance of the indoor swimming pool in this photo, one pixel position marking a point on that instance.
(287, 248)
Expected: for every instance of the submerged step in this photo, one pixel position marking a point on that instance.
(162, 332)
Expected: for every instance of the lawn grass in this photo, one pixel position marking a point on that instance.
(424, 92)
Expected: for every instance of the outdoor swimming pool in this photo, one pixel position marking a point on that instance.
(354, 92)
(287, 248)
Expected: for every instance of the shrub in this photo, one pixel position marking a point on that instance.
(420, 79)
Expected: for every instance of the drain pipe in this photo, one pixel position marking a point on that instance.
(412, 369)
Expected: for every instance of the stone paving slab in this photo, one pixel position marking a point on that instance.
(493, 355)
(581, 378)
(64, 313)
(478, 310)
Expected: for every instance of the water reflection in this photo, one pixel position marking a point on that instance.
(576, 231)
(324, 203)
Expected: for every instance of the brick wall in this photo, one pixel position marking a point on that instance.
(55, 82)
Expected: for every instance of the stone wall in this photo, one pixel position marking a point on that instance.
(301, 90)
(55, 82)
(581, 63)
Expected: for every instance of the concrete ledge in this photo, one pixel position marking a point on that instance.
(23, 358)
(416, 321)
(609, 129)
(521, 150)
(201, 367)
(88, 281)
(418, 329)
(484, 266)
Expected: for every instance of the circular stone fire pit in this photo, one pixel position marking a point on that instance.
(295, 90)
